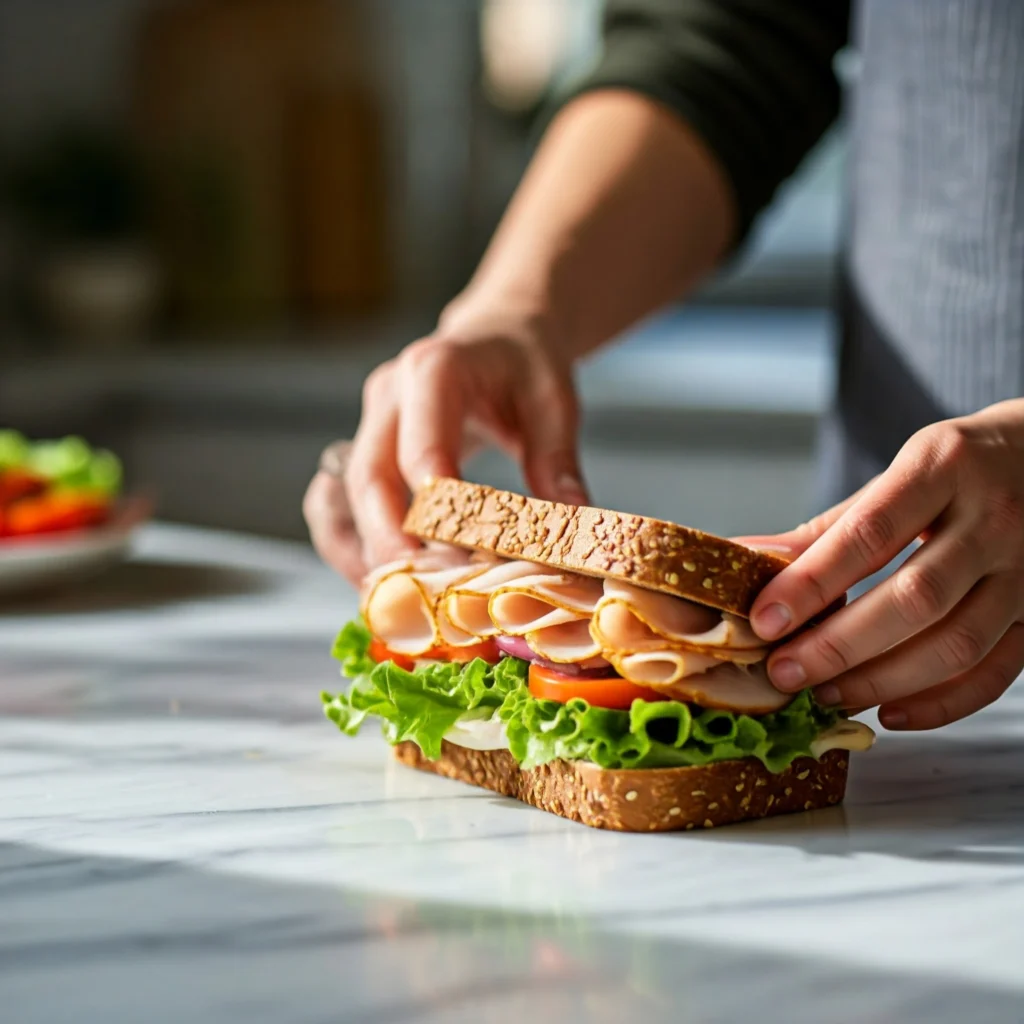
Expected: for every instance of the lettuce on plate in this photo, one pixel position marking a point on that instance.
(423, 705)
(69, 463)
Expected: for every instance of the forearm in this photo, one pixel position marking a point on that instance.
(623, 210)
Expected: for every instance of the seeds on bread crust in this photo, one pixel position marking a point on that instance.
(646, 799)
(650, 553)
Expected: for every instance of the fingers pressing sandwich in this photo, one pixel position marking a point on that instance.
(472, 384)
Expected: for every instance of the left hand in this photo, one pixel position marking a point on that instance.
(944, 635)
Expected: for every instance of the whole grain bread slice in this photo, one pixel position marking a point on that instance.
(646, 799)
(646, 552)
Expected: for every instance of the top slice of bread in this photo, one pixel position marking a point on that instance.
(646, 552)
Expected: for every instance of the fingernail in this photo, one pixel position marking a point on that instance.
(828, 695)
(894, 719)
(773, 621)
(787, 674)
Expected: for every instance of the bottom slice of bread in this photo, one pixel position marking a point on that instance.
(648, 799)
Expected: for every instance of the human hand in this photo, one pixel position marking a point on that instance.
(944, 635)
(480, 378)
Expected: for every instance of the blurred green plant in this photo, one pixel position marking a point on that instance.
(75, 185)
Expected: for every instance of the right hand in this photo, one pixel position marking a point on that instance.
(479, 379)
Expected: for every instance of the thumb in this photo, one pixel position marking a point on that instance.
(549, 427)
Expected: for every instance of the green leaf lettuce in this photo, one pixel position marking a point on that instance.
(423, 705)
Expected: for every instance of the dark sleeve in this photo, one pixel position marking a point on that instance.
(754, 78)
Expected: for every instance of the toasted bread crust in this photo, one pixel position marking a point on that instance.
(646, 552)
(648, 799)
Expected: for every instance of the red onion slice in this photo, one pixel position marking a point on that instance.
(515, 647)
(592, 668)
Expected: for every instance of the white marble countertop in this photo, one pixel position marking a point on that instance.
(184, 838)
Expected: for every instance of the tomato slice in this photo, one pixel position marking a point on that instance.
(16, 484)
(55, 512)
(614, 692)
(380, 653)
(488, 651)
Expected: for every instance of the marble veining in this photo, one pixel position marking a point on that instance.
(183, 837)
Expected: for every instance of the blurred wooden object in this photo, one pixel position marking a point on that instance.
(224, 114)
(338, 201)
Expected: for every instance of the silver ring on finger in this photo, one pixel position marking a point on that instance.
(334, 459)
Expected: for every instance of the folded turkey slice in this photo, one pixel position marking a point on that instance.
(569, 643)
(739, 688)
(688, 652)
(684, 651)
(550, 609)
(400, 600)
(629, 620)
(465, 605)
(423, 560)
(662, 666)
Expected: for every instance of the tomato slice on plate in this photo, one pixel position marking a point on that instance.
(55, 512)
(16, 484)
(613, 692)
(488, 651)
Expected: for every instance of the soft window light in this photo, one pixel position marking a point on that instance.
(523, 44)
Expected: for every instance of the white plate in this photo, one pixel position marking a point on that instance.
(39, 563)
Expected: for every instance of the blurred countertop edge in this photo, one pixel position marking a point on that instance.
(729, 362)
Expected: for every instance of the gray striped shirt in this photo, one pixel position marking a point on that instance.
(934, 267)
(934, 316)
(937, 191)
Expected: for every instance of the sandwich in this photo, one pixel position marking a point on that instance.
(596, 665)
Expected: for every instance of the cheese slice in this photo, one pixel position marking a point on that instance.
(489, 734)
(478, 733)
(844, 735)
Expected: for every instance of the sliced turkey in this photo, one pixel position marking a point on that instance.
(569, 643)
(745, 690)
(533, 603)
(423, 560)
(629, 619)
(446, 596)
(465, 605)
(551, 610)
(664, 665)
(400, 603)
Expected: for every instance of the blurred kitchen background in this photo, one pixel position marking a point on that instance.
(217, 215)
